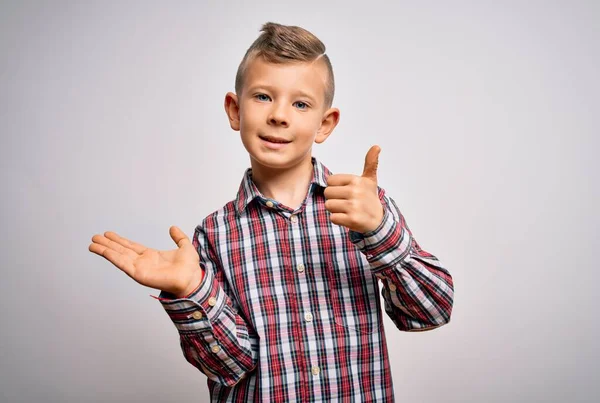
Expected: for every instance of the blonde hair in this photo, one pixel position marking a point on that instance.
(286, 44)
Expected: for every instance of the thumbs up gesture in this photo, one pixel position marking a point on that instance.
(353, 201)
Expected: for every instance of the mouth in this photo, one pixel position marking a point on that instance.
(275, 140)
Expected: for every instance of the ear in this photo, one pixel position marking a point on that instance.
(232, 109)
(330, 120)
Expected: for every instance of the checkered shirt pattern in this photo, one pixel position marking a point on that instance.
(289, 309)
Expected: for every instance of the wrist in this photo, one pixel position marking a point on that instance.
(376, 223)
(192, 286)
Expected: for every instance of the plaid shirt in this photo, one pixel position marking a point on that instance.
(289, 306)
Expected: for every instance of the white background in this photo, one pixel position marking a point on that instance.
(111, 118)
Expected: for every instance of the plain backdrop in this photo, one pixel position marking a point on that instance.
(487, 113)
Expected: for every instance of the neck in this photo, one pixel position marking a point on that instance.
(288, 186)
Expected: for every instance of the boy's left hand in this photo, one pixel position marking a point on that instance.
(353, 201)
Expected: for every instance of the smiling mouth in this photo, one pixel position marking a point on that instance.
(276, 140)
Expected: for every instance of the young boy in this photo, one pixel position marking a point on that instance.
(276, 299)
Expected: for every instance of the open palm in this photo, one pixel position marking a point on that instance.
(176, 271)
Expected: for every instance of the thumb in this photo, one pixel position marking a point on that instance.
(371, 162)
(179, 237)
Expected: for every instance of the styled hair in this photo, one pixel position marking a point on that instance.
(286, 44)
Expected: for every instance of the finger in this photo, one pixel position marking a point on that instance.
(126, 243)
(338, 206)
(115, 246)
(179, 237)
(340, 179)
(338, 192)
(340, 219)
(114, 257)
(371, 163)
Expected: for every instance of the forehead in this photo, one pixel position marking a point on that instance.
(310, 77)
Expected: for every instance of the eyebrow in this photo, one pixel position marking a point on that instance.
(270, 88)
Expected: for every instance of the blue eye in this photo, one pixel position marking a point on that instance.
(262, 97)
(300, 105)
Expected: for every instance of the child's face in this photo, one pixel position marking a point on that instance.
(286, 101)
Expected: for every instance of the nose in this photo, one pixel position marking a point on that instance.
(278, 116)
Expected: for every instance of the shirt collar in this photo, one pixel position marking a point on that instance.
(248, 190)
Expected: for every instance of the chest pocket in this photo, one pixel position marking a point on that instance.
(354, 298)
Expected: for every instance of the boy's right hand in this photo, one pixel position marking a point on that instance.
(175, 271)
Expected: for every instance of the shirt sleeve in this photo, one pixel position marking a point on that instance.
(214, 337)
(418, 291)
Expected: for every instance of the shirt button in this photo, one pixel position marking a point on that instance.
(215, 349)
(212, 301)
(269, 203)
(197, 315)
(308, 317)
(294, 219)
(392, 287)
(315, 370)
(300, 268)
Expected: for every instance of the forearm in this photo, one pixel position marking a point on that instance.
(214, 337)
(418, 291)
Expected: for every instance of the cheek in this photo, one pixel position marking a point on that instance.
(310, 126)
(250, 117)
(246, 121)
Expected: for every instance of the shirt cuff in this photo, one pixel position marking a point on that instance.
(386, 245)
(200, 309)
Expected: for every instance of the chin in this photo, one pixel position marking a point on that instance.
(272, 160)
